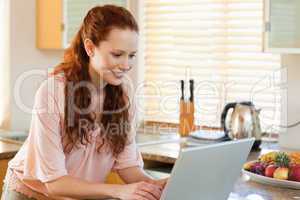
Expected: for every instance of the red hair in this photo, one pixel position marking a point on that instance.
(96, 26)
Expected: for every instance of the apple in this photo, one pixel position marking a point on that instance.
(295, 173)
(269, 171)
(281, 173)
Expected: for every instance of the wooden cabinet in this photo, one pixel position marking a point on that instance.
(114, 178)
(57, 21)
(282, 26)
(49, 24)
(3, 168)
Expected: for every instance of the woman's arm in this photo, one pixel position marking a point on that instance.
(133, 175)
(68, 186)
(76, 188)
(136, 174)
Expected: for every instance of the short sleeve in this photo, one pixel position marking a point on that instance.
(131, 156)
(45, 160)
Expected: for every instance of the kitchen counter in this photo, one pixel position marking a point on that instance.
(167, 150)
(8, 148)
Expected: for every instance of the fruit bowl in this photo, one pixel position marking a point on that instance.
(272, 181)
(275, 168)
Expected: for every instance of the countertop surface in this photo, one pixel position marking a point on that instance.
(167, 150)
(8, 148)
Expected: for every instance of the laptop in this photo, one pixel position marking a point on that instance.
(207, 172)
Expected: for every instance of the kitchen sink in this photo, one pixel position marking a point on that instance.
(19, 136)
(142, 139)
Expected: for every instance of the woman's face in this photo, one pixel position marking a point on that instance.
(115, 56)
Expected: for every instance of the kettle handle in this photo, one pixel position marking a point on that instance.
(223, 116)
(247, 103)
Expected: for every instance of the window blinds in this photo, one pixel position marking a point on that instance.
(218, 43)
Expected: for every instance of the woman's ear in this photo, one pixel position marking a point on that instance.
(89, 47)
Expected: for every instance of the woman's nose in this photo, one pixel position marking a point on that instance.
(125, 66)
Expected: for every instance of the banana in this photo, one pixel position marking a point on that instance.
(268, 157)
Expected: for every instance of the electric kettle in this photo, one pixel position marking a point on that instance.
(242, 123)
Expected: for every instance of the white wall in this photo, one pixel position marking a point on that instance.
(24, 56)
(138, 72)
(290, 138)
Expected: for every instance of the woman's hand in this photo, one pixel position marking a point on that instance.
(140, 191)
(160, 182)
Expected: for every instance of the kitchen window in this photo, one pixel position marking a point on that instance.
(218, 44)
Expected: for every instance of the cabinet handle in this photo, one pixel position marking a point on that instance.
(62, 27)
(267, 27)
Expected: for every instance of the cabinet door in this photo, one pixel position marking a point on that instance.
(114, 178)
(49, 27)
(58, 21)
(282, 27)
(75, 11)
(3, 168)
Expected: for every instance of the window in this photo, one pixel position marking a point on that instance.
(218, 44)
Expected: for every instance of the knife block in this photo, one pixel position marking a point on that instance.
(186, 118)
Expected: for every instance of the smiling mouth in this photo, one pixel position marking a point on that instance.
(117, 75)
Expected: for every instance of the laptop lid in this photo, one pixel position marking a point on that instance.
(207, 172)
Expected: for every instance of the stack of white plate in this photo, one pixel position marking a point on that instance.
(208, 134)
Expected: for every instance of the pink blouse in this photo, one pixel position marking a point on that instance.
(41, 158)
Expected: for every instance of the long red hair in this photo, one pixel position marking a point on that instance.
(96, 26)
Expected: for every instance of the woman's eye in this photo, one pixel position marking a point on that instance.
(117, 55)
(131, 56)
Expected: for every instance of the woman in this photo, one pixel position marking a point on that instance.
(80, 127)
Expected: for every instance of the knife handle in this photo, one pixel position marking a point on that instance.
(192, 90)
(182, 89)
